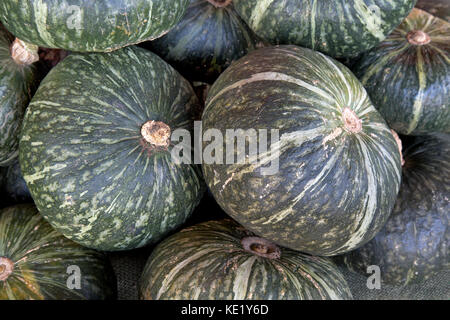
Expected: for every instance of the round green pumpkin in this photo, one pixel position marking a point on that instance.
(90, 26)
(408, 75)
(414, 244)
(95, 169)
(220, 260)
(341, 28)
(338, 163)
(36, 262)
(206, 41)
(17, 82)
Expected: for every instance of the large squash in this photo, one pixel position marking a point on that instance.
(95, 149)
(221, 260)
(38, 263)
(329, 181)
(415, 243)
(408, 75)
(341, 28)
(80, 25)
(209, 37)
(18, 78)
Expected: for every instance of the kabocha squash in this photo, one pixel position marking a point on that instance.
(408, 75)
(95, 149)
(221, 260)
(90, 26)
(338, 170)
(18, 77)
(36, 262)
(14, 186)
(342, 28)
(438, 8)
(209, 37)
(414, 244)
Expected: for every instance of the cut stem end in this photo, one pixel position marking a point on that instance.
(351, 121)
(400, 146)
(6, 268)
(261, 247)
(418, 38)
(156, 133)
(24, 53)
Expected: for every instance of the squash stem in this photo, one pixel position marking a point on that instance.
(400, 146)
(156, 133)
(418, 38)
(261, 247)
(6, 268)
(351, 121)
(24, 53)
(220, 3)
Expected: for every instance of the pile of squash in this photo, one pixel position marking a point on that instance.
(110, 114)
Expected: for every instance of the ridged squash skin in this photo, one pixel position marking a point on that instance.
(415, 242)
(90, 26)
(17, 83)
(409, 83)
(335, 185)
(339, 29)
(90, 172)
(42, 258)
(209, 262)
(206, 41)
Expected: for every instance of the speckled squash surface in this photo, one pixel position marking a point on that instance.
(220, 260)
(35, 260)
(408, 75)
(342, 28)
(17, 82)
(338, 162)
(206, 41)
(95, 169)
(415, 243)
(90, 26)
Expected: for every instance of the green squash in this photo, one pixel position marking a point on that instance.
(90, 26)
(18, 77)
(206, 41)
(414, 244)
(438, 8)
(408, 75)
(14, 186)
(95, 149)
(340, 29)
(338, 170)
(38, 263)
(220, 260)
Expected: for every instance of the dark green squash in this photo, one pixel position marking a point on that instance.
(95, 149)
(14, 186)
(414, 245)
(206, 41)
(438, 8)
(18, 77)
(100, 25)
(408, 75)
(340, 29)
(338, 162)
(35, 261)
(220, 260)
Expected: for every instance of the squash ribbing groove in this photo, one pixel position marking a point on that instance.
(261, 247)
(6, 268)
(156, 133)
(418, 38)
(24, 53)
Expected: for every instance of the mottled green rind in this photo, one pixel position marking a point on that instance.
(409, 84)
(90, 26)
(206, 41)
(41, 257)
(414, 245)
(14, 186)
(334, 189)
(438, 8)
(208, 262)
(342, 28)
(17, 83)
(88, 169)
